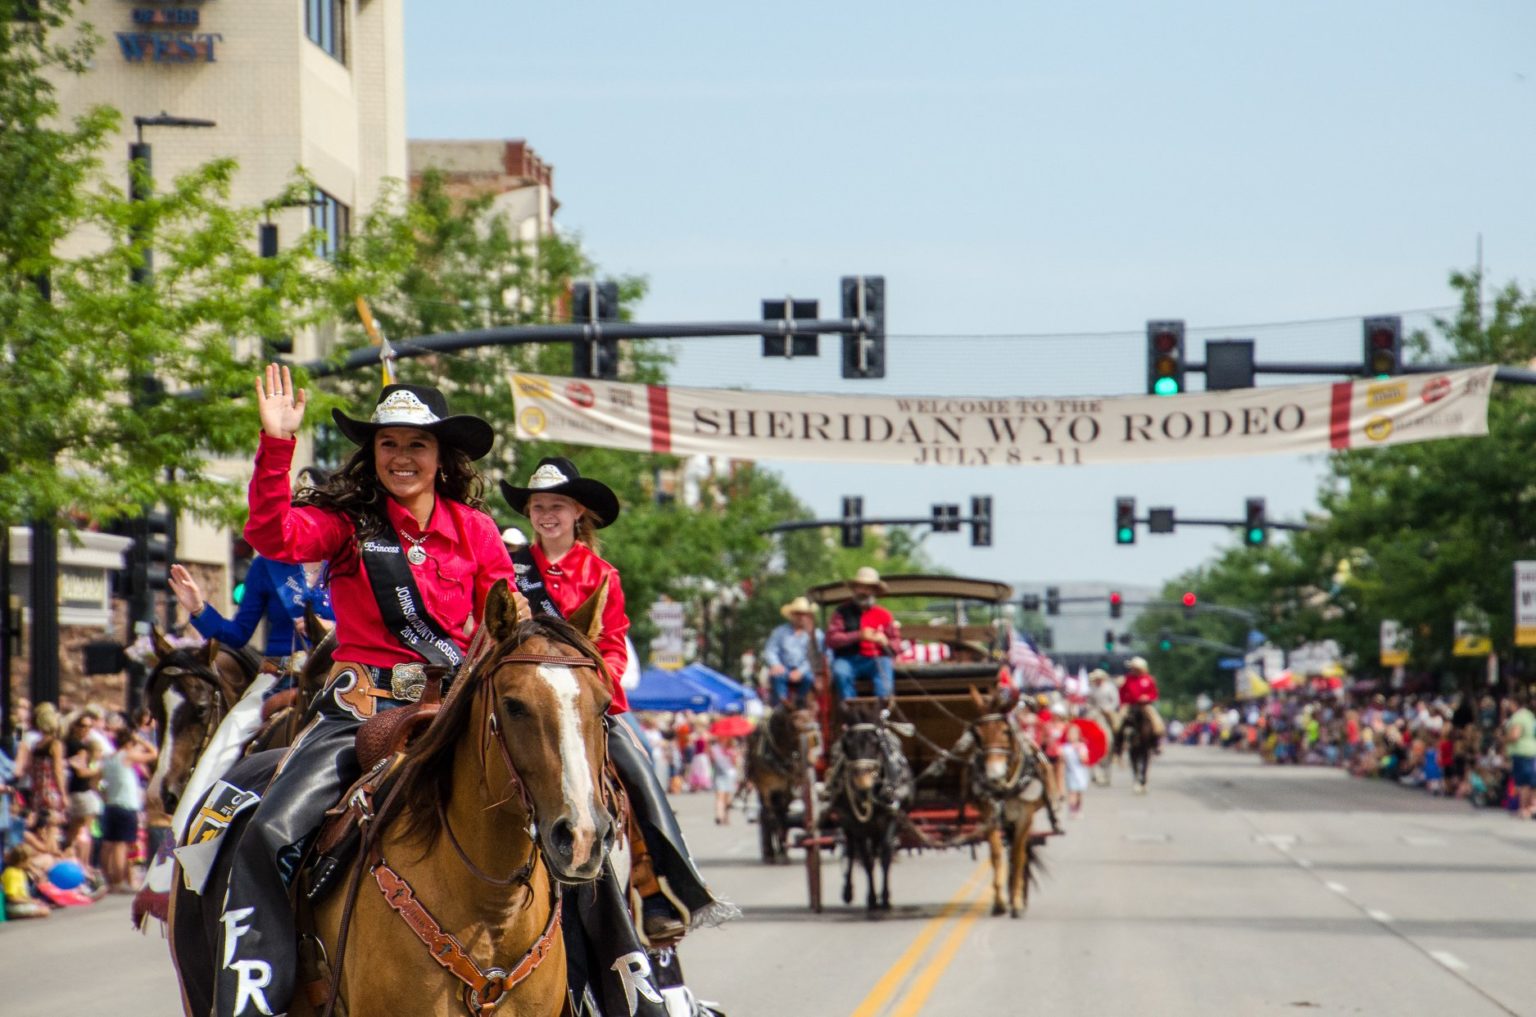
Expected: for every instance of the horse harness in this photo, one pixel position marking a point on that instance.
(224, 696)
(483, 989)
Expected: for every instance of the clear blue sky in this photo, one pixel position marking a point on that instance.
(1045, 169)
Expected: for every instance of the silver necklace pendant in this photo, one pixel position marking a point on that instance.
(416, 556)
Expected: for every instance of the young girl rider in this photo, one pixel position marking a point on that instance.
(557, 572)
(411, 559)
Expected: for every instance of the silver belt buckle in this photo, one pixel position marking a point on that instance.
(406, 682)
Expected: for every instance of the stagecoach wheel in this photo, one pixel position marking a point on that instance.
(812, 839)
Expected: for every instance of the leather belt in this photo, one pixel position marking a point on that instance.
(403, 682)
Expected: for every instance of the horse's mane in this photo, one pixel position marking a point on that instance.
(426, 780)
(190, 658)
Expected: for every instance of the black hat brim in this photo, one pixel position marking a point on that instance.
(592, 495)
(468, 434)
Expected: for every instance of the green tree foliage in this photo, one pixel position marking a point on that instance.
(82, 428)
(1419, 534)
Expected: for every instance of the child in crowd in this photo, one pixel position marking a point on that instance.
(1073, 755)
(16, 883)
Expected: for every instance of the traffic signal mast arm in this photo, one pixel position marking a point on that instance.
(817, 524)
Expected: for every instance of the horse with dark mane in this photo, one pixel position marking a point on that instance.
(869, 787)
(1010, 783)
(453, 900)
(1139, 735)
(778, 754)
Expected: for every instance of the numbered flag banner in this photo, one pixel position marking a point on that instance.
(1003, 431)
(1525, 603)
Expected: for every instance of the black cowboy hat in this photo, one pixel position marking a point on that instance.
(558, 475)
(424, 407)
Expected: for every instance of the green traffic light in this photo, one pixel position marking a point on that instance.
(1166, 386)
(1125, 535)
(1255, 536)
(238, 593)
(1165, 645)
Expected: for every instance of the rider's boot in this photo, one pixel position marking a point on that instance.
(679, 899)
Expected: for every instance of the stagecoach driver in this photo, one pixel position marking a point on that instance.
(863, 638)
(1140, 693)
(791, 650)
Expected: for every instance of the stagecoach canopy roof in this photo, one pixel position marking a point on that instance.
(921, 586)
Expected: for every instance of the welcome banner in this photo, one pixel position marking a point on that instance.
(1003, 431)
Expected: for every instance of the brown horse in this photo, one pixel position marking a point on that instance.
(778, 754)
(502, 800)
(192, 689)
(1010, 782)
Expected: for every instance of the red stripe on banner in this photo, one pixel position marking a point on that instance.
(1338, 424)
(661, 418)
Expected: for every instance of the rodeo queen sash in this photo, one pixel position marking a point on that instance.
(400, 602)
(530, 583)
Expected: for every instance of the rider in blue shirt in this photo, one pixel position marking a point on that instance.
(273, 590)
(790, 655)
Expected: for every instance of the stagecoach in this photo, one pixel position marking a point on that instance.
(955, 637)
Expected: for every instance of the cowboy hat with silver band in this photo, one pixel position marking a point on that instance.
(558, 475)
(423, 407)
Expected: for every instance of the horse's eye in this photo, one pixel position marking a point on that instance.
(515, 708)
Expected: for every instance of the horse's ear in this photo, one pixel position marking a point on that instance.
(588, 618)
(976, 697)
(314, 626)
(210, 652)
(162, 645)
(500, 611)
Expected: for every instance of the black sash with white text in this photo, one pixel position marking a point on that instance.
(530, 583)
(401, 605)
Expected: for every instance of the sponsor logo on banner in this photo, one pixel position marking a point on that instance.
(580, 394)
(1436, 389)
(533, 388)
(533, 421)
(1389, 393)
(997, 430)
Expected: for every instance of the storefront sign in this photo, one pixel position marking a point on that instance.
(1003, 431)
(177, 46)
(1525, 603)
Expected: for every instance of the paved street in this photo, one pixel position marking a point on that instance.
(1230, 889)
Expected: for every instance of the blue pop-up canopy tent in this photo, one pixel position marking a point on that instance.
(670, 690)
(730, 695)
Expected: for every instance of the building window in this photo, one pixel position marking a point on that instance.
(332, 219)
(324, 25)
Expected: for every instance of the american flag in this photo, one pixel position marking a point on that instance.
(1032, 668)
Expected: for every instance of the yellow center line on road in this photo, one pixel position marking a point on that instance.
(924, 983)
(889, 982)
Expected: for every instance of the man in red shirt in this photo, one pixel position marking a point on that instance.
(863, 638)
(1140, 692)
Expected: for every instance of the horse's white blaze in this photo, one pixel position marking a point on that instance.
(997, 768)
(576, 779)
(172, 701)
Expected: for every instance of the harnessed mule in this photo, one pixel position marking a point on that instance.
(869, 787)
(453, 903)
(778, 753)
(1007, 780)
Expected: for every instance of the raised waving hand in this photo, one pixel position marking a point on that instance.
(281, 405)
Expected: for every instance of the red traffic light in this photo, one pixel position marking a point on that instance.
(1383, 338)
(1114, 598)
(1189, 599)
(1165, 341)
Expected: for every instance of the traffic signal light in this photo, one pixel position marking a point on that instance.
(1255, 529)
(853, 526)
(1125, 520)
(1030, 602)
(1165, 358)
(864, 350)
(981, 520)
(1164, 641)
(1109, 640)
(1189, 604)
(241, 556)
(1383, 346)
(595, 356)
(946, 519)
(1115, 603)
(1052, 600)
(796, 344)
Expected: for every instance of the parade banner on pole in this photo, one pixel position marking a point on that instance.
(1525, 603)
(999, 430)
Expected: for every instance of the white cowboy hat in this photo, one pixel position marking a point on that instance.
(800, 605)
(1098, 674)
(867, 576)
(1137, 664)
(513, 537)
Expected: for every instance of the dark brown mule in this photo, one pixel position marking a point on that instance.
(503, 799)
(1009, 783)
(778, 755)
(870, 787)
(192, 689)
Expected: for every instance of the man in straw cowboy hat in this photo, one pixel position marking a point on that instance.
(791, 651)
(863, 638)
(1104, 698)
